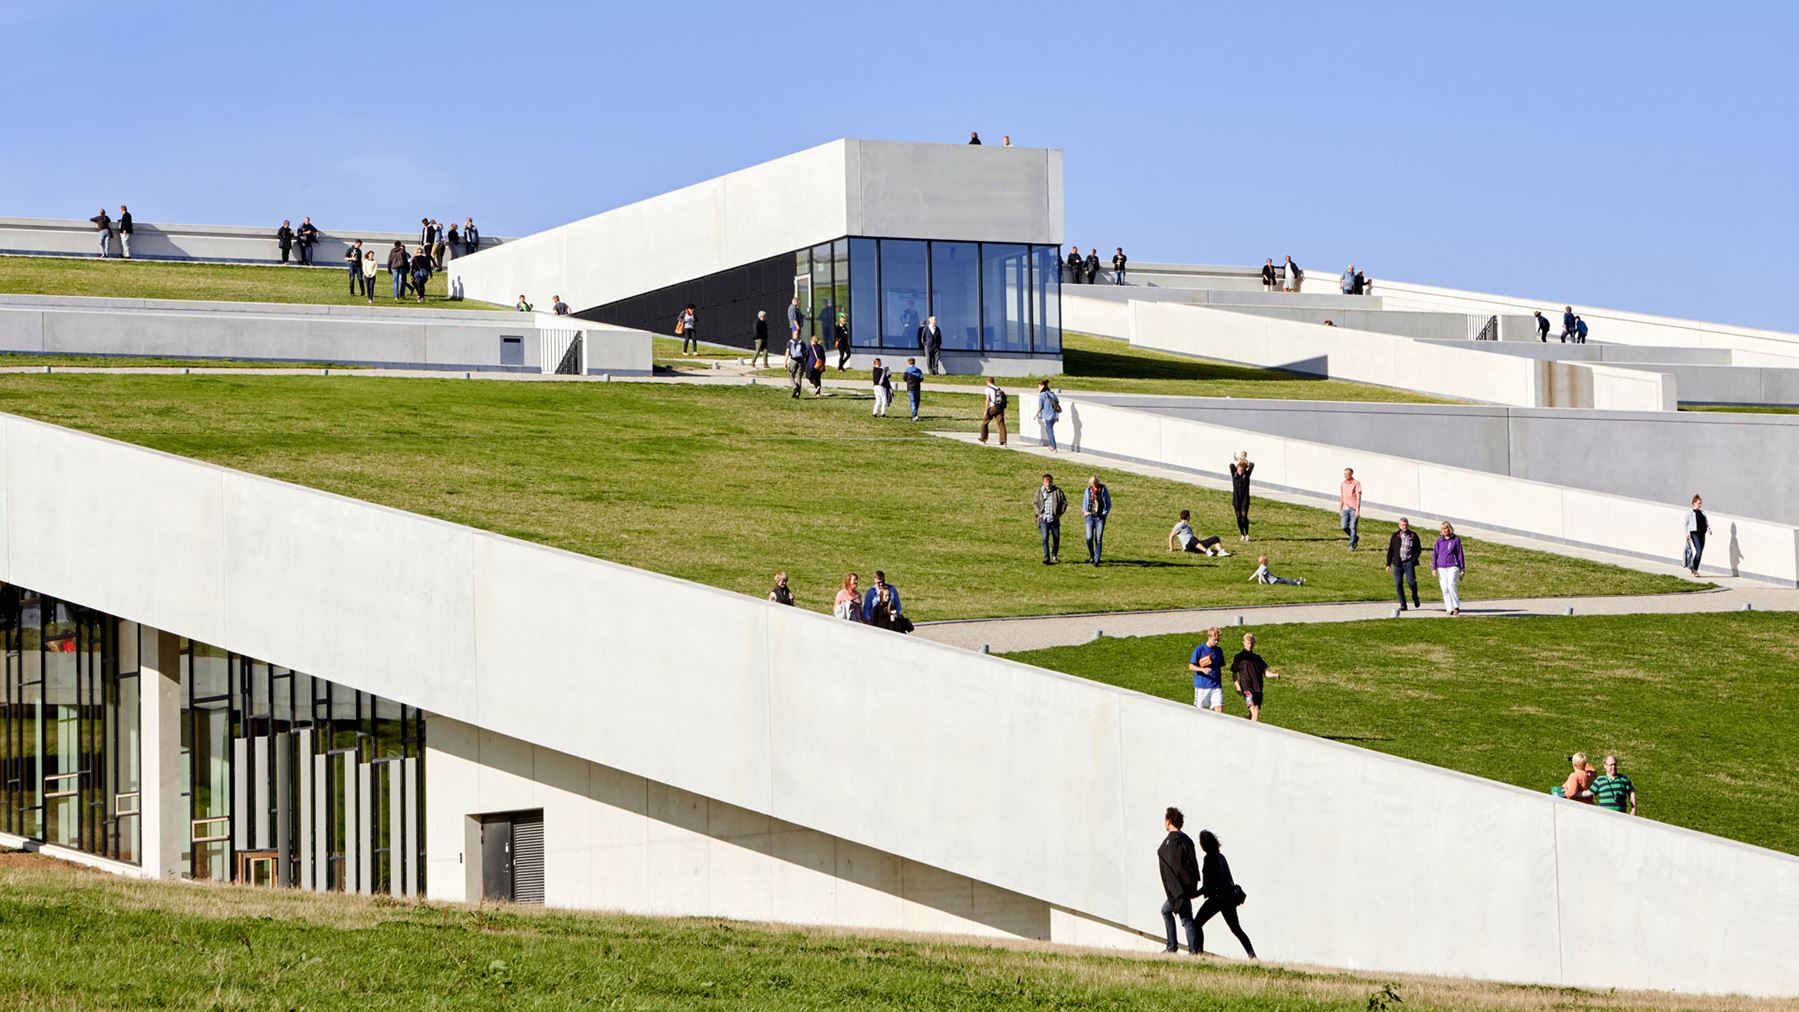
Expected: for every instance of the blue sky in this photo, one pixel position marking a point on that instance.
(1637, 155)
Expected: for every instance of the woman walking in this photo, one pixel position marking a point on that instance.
(848, 605)
(1222, 895)
(684, 326)
(840, 337)
(1049, 408)
(815, 366)
(1697, 528)
(882, 379)
(1449, 563)
(1240, 471)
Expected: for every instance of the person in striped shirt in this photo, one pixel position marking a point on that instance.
(1614, 790)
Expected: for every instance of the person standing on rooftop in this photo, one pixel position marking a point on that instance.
(452, 243)
(1360, 285)
(438, 245)
(760, 348)
(471, 238)
(125, 231)
(1092, 264)
(1006, 141)
(1567, 323)
(1074, 265)
(103, 223)
(1348, 280)
(1542, 327)
(974, 137)
(1580, 330)
(1268, 275)
(557, 306)
(307, 235)
(1349, 505)
(1118, 262)
(1294, 275)
(284, 239)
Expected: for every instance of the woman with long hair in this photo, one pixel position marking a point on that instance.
(848, 605)
(1222, 894)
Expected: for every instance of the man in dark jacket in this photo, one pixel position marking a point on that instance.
(1074, 266)
(1092, 264)
(930, 340)
(1542, 327)
(308, 234)
(1118, 262)
(1402, 561)
(1049, 504)
(471, 237)
(103, 222)
(284, 238)
(125, 230)
(760, 348)
(1180, 880)
(1567, 323)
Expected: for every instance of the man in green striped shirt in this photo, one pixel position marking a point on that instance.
(1614, 790)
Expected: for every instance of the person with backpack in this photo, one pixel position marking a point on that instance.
(686, 331)
(1049, 408)
(1223, 895)
(914, 377)
(995, 412)
(882, 381)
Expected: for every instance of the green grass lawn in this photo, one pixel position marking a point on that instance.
(1744, 409)
(1105, 365)
(725, 485)
(153, 279)
(14, 361)
(78, 940)
(669, 349)
(1697, 707)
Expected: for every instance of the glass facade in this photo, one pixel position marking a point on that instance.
(993, 297)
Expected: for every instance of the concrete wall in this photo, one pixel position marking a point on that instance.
(845, 187)
(913, 748)
(1395, 476)
(222, 243)
(1457, 327)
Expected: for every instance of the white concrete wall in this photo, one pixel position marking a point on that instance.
(845, 187)
(1032, 782)
(223, 243)
(1416, 324)
(1756, 548)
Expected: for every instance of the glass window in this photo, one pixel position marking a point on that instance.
(1005, 297)
(956, 293)
(840, 283)
(802, 290)
(905, 295)
(1048, 315)
(824, 307)
(865, 297)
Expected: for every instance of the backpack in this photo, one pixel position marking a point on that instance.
(999, 399)
(1055, 403)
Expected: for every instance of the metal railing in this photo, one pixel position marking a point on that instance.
(1489, 331)
(561, 352)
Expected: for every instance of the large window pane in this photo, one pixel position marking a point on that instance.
(1048, 315)
(905, 300)
(840, 283)
(865, 297)
(1005, 298)
(824, 306)
(956, 293)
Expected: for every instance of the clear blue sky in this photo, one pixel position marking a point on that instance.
(1636, 155)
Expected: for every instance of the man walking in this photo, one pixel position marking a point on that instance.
(1349, 505)
(1207, 665)
(1580, 331)
(930, 339)
(1402, 561)
(995, 412)
(795, 361)
(439, 243)
(125, 230)
(1118, 262)
(1567, 323)
(398, 265)
(1180, 880)
(1542, 327)
(760, 348)
(1248, 669)
(103, 223)
(796, 317)
(914, 385)
(353, 257)
(1096, 506)
(873, 596)
(1613, 790)
(1050, 504)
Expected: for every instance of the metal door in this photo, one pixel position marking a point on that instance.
(496, 859)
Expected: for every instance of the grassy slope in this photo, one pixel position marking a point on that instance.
(149, 279)
(1743, 409)
(14, 361)
(1698, 707)
(726, 485)
(82, 940)
(1111, 366)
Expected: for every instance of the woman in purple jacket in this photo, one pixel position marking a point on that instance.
(1448, 562)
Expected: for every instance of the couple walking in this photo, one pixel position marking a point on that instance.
(1184, 879)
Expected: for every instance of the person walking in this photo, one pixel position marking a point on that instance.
(1349, 506)
(1180, 880)
(781, 594)
(930, 340)
(305, 237)
(1248, 671)
(1269, 275)
(369, 269)
(1402, 561)
(1049, 408)
(427, 232)
(1241, 469)
(439, 244)
(1579, 785)
(1613, 790)
(125, 231)
(1450, 563)
(1207, 666)
(848, 604)
(796, 317)
(872, 597)
(1542, 327)
(398, 263)
(885, 613)
(795, 361)
(840, 337)
(1096, 506)
(881, 378)
(1580, 330)
(471, 237)
(1294, 275)
(1348, 280)
(1223, 895)
(353, 258)
(914, 378)
(1264, 575)
(421, 271)
(760, 348)
(1567, 323)
(284, 239)
(995, 411)
(103, 225)
(686, 327)
(1118, 262)
(815, 366)
(1697, 527)
(1049, 504)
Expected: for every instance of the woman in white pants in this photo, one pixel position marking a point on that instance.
(882, 380)
(1448, 562)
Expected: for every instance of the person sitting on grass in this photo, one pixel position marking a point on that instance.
(1262, 575)
(1182, 539)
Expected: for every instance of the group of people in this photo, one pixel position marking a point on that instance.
(877, 605)
(1288, 277)
(1353, 281)
(105, 224)
(437, 244)
(1086, 271)
(445, 244)
(1249, 674)
(1573, 327)
(974, 137)
(557, 306)
(1186, 878)
(1448, 559)
(1611, 790)
(1049, 503)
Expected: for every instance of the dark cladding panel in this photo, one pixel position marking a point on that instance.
(726, 304)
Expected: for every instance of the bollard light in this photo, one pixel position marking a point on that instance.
(986, 649)
(1570, 610)
(1099, 634)
(1395, 613)
(1239, 620)
(1748, 606)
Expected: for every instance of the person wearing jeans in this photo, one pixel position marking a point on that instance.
(914, 385)
(1049, 408)
(1402, 561)
(103, 222)
(1349, 505)
(1448, 562)
(1180, 880)
(1096, 506)
(1050, 504)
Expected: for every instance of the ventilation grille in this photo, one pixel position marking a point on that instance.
(527, 858)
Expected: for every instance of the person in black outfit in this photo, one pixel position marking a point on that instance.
(125, 231)
(1402, 561)
(1268, 277)
(1180, 881)
(781, 594)
(1221, 893)
(930, 341)
(1542, 327)
(471, 237)
(1074, 266)
(284, 238)
(1092, 265)
(974, 137)
(840, 336)
(1697, 527)
(1358, 285)
(307, 235)
(1118, 262)
(760, 348)
(1240, 472)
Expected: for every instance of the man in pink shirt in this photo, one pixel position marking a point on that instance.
(1349, 504)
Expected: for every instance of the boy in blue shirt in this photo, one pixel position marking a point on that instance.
(1207, 665)
(914, 378)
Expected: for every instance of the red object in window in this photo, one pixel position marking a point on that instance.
(65, 646)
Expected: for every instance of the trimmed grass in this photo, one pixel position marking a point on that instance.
(1744, 409)
(1106, 365)
(13, 361)
(725, 485)
(1698, 708)
(77, 940)
(668, 349)
(153, 279)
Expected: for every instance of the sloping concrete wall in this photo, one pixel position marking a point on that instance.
(1037, 783)
(220, 243)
